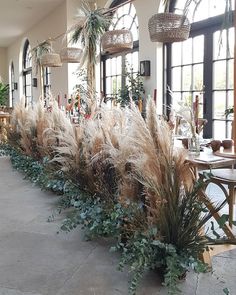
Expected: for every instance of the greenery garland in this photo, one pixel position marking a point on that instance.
(139, 250)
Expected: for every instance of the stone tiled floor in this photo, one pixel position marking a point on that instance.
(35, 260)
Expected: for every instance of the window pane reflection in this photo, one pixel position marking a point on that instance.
(197, 77)
(198, 49)
(176, 79)
(176, 54)
(187, 51)
(219, 104)
(187, 77)
(219, 130)
(231, 74)
(219, 75)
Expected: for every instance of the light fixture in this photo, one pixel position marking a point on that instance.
(168, 27)
(145, 68)
(71, 55)
(51, 60)
(117, 41)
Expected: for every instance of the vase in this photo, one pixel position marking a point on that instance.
(194, 144)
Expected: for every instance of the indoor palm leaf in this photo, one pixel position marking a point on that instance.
(39, 50)
(88, 31)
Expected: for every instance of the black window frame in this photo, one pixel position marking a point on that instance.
(206, 27)
(27, 72)
(106, 56)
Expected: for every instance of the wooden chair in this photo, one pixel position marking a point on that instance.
(225, 179)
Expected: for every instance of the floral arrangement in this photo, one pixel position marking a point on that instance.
(191, 115)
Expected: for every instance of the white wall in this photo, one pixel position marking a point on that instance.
(149, 50)
(58, 22)
(72, 17)
(3, 65)
(51, 26)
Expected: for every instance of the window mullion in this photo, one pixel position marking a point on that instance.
(208, 83)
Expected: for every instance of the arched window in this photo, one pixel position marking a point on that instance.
(113, 66)
(27, 73)
(203, 65)
(13, 85)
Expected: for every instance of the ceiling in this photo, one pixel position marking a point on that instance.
(18, 16)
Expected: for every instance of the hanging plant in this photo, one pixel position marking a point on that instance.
(89, 30)
(169, 27)
(40, 50)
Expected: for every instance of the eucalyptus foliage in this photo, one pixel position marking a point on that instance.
(4, 92)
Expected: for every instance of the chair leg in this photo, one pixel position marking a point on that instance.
(231, 204)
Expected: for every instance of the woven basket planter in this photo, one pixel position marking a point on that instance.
(117, 41)
(168, 27)
(71, 55)
(51, 60)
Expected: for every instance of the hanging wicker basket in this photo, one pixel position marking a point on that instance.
(71, 55)
(117, 41)
(168, 27)
(51, 60)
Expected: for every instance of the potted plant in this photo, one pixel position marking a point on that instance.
(134, 89)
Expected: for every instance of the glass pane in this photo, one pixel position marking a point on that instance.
(176, 97)
(219, 45)
(230, 103)
(108, 67)
(205, 9)
(132, 10)
(176, 79)
(219, 104)
(118, 82)
(128, 60)
(187, 97)
(187, 50)
(198, 77)
(231, 74)
(219, 130)
(128, 22)
(118, 65)
(135, 62)
(134, 32)
(28, 91)
(231, 42)
(114, 85)
(28, 79)
(108, 86)
(113, 66)
(219, 75)
(229, 130)
(187, 78)
(198, 49)
(216, 7)
(176, 53)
